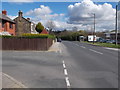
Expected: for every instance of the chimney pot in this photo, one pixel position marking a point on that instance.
(4, 12)
(20, 13)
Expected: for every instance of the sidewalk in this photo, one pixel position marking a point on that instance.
(55, 47)
(9, 82)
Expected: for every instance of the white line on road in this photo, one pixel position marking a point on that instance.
(65, 72)
(82, 47)
(76, 44)
(64, 66)
(95, 51)
(60, 51)
(66, 75)
(115, 49)
(63, 62)
(67, 81)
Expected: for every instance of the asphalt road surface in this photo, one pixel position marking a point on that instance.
(75, 65)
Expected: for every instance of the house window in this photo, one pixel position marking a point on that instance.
(3, 24)
(11, 25)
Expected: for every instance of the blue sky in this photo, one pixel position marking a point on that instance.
(63, 16)
(56, 7)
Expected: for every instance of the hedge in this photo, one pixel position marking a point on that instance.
(30, 36)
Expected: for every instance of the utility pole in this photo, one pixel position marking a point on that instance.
(94, 27)
(116, 26)
(94, 30)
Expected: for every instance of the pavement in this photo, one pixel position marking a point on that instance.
(10, 82)
(65, 65)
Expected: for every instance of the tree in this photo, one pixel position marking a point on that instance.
(39, 27)
(51, 25)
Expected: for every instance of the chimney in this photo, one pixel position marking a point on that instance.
(4, 12)
(20, 13)
(28, 19)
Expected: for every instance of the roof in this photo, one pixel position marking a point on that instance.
(5, 17)
(24, 19)
(44, 31)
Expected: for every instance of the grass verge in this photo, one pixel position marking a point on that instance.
(104, 44)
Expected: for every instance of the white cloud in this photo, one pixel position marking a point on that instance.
(43, 10)
(43, 13)
(12, 17)
(79, 13)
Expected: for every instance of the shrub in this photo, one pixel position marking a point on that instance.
(39, 27)
(37, 36)
(30, 36)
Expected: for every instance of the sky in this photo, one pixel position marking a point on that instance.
(66, 15)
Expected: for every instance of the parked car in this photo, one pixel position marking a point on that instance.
(111, 41)
(59, 40)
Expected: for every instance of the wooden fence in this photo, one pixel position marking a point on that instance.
(26, 44)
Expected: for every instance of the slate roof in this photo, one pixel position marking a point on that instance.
(4, 17)
(24, 19)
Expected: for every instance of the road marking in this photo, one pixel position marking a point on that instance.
(60, 51)
(14, 80)
(63, 62)
(67, 81)
(115, 49)
(82, 47)
(66, 75)
(65, 72)
(64, 66)
(95, 51)
(76, 44)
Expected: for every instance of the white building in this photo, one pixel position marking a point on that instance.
(33, 31)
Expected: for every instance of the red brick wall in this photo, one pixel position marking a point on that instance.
(7, 28)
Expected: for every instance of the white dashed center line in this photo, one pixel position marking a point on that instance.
(82, 47)
(65, 72)
(95, 51)
(66, 75)
(67, 81)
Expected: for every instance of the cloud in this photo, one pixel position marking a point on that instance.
(12, 17)
(81, 13)
(43, 10)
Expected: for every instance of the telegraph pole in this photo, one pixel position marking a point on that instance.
(94, 30)
(116, 26)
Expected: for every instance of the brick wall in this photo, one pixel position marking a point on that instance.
(7, 28)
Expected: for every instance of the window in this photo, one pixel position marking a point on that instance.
(11, 25)
(3, 24)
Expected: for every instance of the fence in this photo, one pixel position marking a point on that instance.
(26, 44)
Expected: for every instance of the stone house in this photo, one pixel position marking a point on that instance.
(24, 25)
(7, 25)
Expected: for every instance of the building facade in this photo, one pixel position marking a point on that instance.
(7, 25)
(33, 31)
(23, 25)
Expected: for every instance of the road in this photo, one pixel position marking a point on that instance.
(75, 65)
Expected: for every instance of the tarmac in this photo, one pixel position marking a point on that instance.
(9, 82)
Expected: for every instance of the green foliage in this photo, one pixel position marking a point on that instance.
(37, 36)
(39, 27)
(30, 36)
(105, 44)
(71, 36)
(6, 36)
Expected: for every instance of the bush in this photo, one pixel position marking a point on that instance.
(39, 27)
(30, 36)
